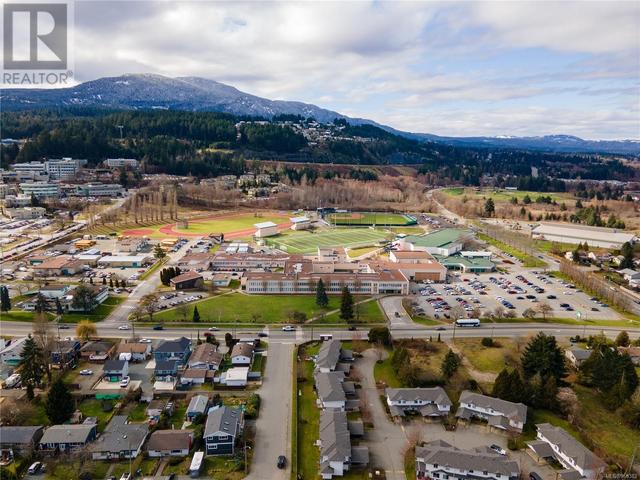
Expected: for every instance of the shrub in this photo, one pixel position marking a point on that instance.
(487, 342)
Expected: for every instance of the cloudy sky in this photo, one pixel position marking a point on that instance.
(449, 68)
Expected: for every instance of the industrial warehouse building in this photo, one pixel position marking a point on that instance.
(445, 242)
(575, 234)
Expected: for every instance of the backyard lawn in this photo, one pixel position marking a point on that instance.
(385, 373)
(488, 359)
(222, 467)
(98, 314)
(93, 408)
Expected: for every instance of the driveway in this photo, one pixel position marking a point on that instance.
(387, 440)
(273, 436)
(392, 306)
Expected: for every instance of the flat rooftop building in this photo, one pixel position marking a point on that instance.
(575, 234)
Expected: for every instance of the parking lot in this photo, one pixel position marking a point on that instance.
(173, 299)
(475, 296)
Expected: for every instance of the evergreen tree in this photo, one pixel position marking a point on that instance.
(111, 282)
(158, 252)
(543, 356)
(450, 364)
(517, 391)
(627, 256)
(59, 405)
(489, 207)
(346, 305)
(196, 314)
(59, 310)
(501, 384)
(104, 280)
(622, 340)
(41, 305)
(5, 300)
(32, 367)
(322, 300)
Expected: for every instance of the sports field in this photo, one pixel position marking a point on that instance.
(371, 218)
(235, 224)
(306, 242)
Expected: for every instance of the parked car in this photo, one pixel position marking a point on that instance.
(282, 461)
(145, 340)
(34, 468)
(288, 328)
(498, 449)
(125, 382)
(86, 371)
(124, 327)
(213, 329)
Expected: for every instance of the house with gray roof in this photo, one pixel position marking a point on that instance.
(119, 440)
(498, 413)
(197, 406)
(67, 438)
(438, 459)
(170, 443)
(428, 402)
(337, 454)
(554, 443)
(177, 350)
(330, 354)
(330, 391)
(223, 429)
(18, 440)
(577, 355)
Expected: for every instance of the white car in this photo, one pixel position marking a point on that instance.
(145, 340)
(124, 327)
(288, 328)
(86, 372)
(213, 329)
(498, 449)
(124, 382)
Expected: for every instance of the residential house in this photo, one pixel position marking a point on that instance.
(197, 406)
(119, 440)
(97, 351)
(205, 356)
(196, 376)
(428, 402)
(499, 413)
(18, 440)
(115, 370)
(60, 265)
(330, 354)
(67, 438)
(156, 407)
(65, 353)
(12, 353)
(166, 370)
(170, 443)
(330, 391)
(440, 460)
(337, 455)
(178, 349)
(634, 353)
(629, 274)
(555, 443)
(134, 351)
(235, 377)
(222, 430)
(188, 280)
(577, 355)
(242, 354)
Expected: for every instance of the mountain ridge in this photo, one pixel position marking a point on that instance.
(189, 93)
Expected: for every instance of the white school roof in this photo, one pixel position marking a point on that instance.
(265, 225)
(123, 258)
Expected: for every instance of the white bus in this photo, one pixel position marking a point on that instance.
(196, 464)
(325, 337)
(468, 322)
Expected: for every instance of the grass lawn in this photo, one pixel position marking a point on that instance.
(308, 242)
(526, 259)
(356, 252)
(488, 359)
(535, 416)
(93, 408)
(181, 468)
(39, 416)
(257, 365)
(98, 314)
(251, 308)
(17, 316)
(385, 373)
(368, 312)
(505, 195)
(154, 268)
(241, 221)
(408, 230)
(222, 467)
(66, 469)
(370, 218)
(179, 412)
(137, 412)
(308, 422)
(603, 428)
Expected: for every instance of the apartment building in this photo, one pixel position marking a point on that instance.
(63, 168)
(498, 413)
(428, 402)
(41, 189)
(121, 163)
(100, 190)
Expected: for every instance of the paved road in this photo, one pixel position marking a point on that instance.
(393, 305)
(273, 434)
(387, 440)
(121, 314)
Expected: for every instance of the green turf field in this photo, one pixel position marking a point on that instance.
(370, 218)
(230, 224)
(306, 242)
